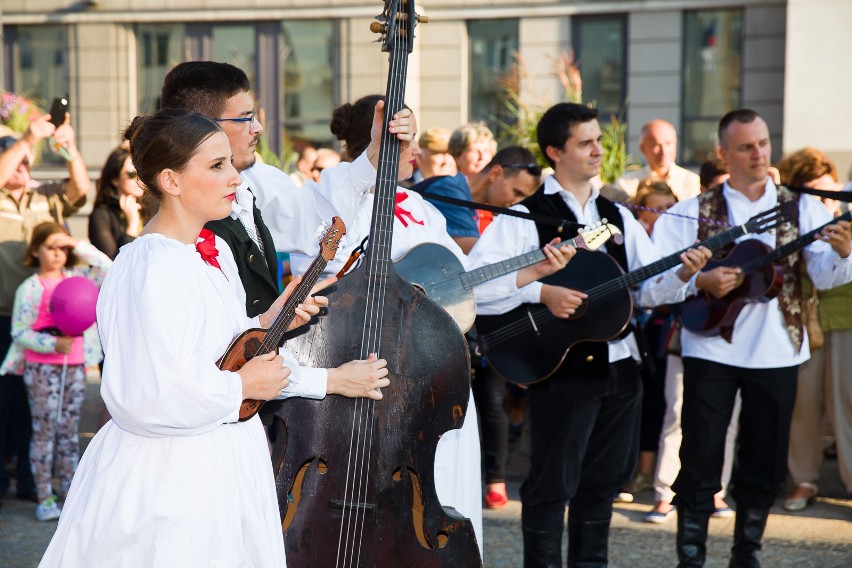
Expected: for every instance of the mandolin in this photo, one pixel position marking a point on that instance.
(257, 341)
(528, 344)
(759, 281)
(436, 271)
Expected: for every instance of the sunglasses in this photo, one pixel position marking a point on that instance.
(532, 169)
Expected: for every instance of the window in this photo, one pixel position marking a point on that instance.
(492, 45)
(158, 49)
(309, 80)
(37, 57)
(235, 44)
(599, 49)
(712, 78)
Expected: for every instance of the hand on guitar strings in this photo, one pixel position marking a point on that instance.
(838, 236)
(400, 124)
(562, 302)
(264, 376)
(557, 258)
(304, 311)
(361, 378)
(693, 260)
(719, 281)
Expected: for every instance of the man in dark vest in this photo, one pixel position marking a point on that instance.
(758, 358)
(291, 214)
(584, 419)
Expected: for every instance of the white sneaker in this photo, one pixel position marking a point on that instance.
(47, 510)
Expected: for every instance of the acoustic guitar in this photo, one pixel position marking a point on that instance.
(435, 271)
(759, 281)
(528, 344)
(257, 341)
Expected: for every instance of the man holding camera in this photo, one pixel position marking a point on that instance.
(22, 207)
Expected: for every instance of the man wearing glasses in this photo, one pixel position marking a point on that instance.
(22, 207)
(291, 214)
(510, 177)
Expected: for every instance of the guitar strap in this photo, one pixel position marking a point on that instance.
(712, 205)
(585, 361)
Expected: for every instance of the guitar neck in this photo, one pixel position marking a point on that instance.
(481, 275)
(791, 247)
(285, 317)
(640, 274)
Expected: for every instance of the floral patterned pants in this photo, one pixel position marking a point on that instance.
(43, 390)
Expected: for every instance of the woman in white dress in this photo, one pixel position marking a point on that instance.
(174, 479)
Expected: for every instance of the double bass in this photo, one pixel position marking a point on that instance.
(355, 477)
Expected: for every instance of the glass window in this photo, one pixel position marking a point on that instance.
(599, 49)
(712, 78)
(158, 49)
(39, 67)
(235, 44)
(309, 80)
(492, 45)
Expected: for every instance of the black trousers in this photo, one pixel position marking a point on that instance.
(489, 389)
(585, 439)
(709, 390)
(16, 423)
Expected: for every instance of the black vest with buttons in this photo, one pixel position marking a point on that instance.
(259, 278)
(585, 360)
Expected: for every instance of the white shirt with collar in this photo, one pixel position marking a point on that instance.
(684, 183)
(760, 339)
(507, 237)
(294, 215)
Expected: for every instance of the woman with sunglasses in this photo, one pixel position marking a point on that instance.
(116, 217)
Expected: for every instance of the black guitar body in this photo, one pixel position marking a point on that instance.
(391, 508)
(528, 344)
(707, 315)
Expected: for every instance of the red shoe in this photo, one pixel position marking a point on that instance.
(494, 500)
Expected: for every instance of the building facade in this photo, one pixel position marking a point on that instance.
(687, 61)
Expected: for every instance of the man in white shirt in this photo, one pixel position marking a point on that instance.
(659, 146)
(761, 354)
(291, 214)
(584, 418)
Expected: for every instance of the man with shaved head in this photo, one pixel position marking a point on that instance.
(658, 143)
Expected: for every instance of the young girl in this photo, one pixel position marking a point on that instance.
(53, 365)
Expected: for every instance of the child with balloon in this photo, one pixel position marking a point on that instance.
(53, 308)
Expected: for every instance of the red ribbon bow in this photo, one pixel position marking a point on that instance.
(401, 213)
(206, 247)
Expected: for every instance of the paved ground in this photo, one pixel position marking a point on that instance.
(820, 537)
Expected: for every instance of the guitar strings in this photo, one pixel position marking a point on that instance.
(542, 315)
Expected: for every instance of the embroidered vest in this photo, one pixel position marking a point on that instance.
(712, 205)
(585, 360)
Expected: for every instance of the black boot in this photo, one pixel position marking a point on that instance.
(748, 530)
(691, 537)
(587, 543)
(543, 549)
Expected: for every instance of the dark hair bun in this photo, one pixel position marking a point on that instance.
(341, 121)
(134, 127)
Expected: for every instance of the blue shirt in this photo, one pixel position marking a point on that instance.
(461, 221)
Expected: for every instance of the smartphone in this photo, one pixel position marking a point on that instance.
(57, 111)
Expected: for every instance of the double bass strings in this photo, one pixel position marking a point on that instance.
(350, 540)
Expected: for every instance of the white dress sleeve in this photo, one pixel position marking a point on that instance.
(164, 324)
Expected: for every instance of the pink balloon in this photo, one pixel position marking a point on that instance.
(72, 305)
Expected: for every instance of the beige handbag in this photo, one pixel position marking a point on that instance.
(810, 319)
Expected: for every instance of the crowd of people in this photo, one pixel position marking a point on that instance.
(185, 239)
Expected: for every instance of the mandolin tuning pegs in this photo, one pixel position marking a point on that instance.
(378, 28)
(422, 19)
